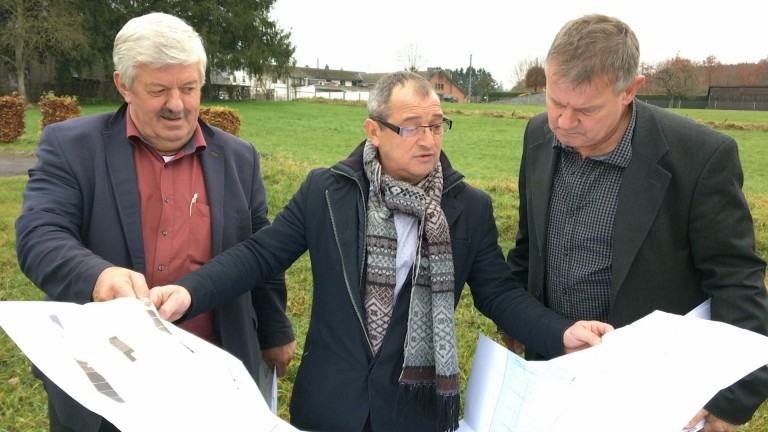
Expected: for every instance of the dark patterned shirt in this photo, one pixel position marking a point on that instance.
(580, 232)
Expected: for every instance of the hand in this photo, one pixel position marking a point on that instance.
(116, 282)
(512, 344)
(711, 424)
(171, 301)
(279, 357)
(584, 334)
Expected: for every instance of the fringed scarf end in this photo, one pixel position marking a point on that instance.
(444, 407)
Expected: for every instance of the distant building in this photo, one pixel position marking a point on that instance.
(444, 86)
(232, 85)
(749, 98)
(307, 82)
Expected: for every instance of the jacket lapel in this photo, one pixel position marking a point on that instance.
(213, 173)
(643, 187)
(121, 169)
(541, 174)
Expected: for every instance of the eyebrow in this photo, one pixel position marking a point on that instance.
(578, 108)
(412, 118)
(184, 84)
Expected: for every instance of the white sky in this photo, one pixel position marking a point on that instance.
(368, 36)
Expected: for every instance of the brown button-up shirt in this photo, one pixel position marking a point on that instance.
(175, 217)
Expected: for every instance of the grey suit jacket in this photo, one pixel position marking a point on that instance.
(81, 214)
(683, 233)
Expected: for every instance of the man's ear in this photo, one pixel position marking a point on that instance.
(120, 85)
(633, 88)
(373, 130)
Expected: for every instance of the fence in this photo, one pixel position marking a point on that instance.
(306, 92)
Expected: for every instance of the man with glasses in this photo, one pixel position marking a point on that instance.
(393, 234)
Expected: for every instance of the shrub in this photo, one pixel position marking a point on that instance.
(11, 117)
(226, 119)
(58, 108)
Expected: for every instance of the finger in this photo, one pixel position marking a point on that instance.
(169, 307)
(282, 369)
(587, 335)
(270, 363)
(156, 297)
(139, 285)
(697, 418)
(604, 328)
(123, 285)
(518, 347)
(176, 302)
(716, 424)
(119, 289)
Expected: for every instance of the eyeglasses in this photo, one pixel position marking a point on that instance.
(410, 131)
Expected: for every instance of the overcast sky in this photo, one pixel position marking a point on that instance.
(369, 36)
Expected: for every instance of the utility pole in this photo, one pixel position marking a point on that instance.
(469, 91)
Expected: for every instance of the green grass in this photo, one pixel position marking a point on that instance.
(292, 137)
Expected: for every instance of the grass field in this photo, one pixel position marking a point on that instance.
(293, 137)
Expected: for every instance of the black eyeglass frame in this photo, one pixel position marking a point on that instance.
(432, 128)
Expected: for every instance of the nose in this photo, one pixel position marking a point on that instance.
(174, 101)
(567, 119)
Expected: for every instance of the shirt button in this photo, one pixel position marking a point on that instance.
(167, 199)
(160, 267)
(165, 232)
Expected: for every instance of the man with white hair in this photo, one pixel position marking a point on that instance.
(149, 192)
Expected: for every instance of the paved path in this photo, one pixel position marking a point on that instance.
(13, 165)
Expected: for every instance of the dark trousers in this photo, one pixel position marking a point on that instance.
(56, 425)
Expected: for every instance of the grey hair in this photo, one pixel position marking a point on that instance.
(378, 98)
(595, 48)
(156, 40)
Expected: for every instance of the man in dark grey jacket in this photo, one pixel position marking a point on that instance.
(626, 208)
(393, 234)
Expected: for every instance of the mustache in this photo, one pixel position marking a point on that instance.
(171, 115)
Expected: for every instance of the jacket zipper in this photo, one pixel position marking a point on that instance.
(346, 279)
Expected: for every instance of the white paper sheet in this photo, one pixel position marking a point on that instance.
(653, 370)
(268, 385)
(507, 393)
(119, 359)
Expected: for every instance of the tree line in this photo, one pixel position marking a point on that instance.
(676, 77)
(679, 77)
(75, 37)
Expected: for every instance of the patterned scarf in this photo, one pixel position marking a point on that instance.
(430, 368)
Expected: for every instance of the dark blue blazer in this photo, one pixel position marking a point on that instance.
(340, 382)
(81, 214)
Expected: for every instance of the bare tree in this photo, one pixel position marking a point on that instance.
(536, 78)
(522, 68)
(34, 27)
(410, 58)
(677, 77)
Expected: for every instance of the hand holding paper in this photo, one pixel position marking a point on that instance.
(171, 301)
(120, 360)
